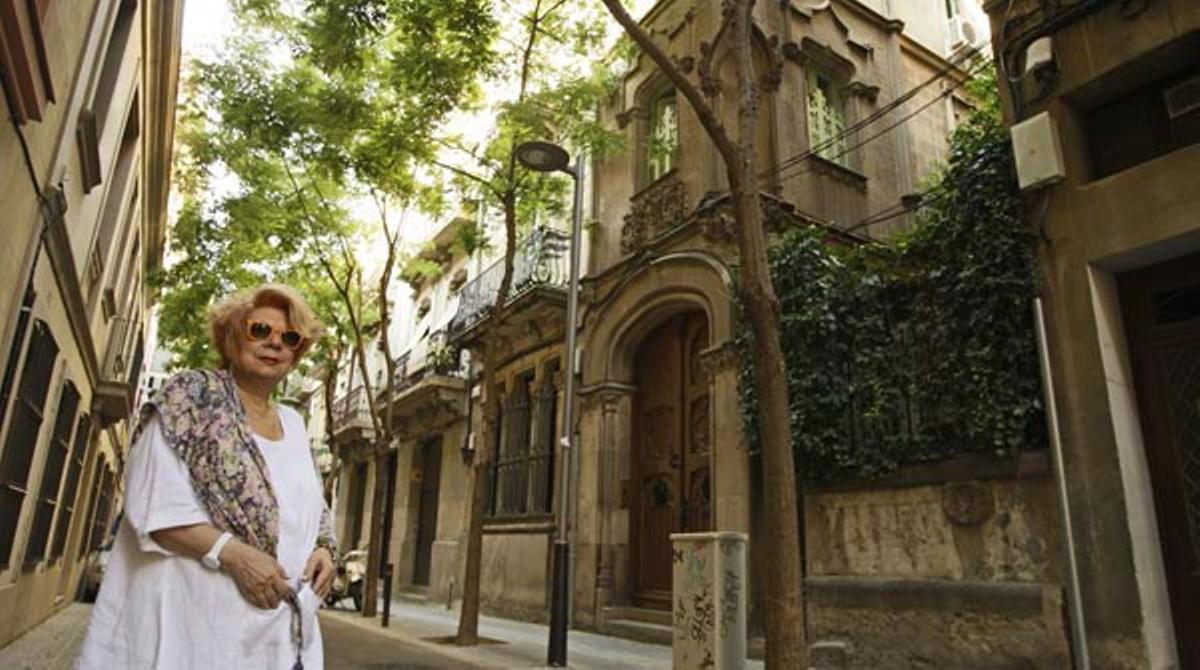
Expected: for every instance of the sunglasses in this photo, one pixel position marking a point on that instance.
(260, 330)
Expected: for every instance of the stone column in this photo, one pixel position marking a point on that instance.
(606, 410)
(730, 459)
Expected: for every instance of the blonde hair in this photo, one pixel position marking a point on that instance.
(227, 318)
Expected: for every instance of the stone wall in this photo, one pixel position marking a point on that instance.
(917, 572)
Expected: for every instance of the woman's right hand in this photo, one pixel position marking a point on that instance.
(259, 577)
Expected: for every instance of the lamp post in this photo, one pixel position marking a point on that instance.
(546, 157)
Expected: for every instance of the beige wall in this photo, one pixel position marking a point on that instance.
(76, 36)
(1096, 229)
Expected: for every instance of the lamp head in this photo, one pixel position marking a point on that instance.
(543, 157)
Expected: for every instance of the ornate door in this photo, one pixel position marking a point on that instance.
(671, 489)
(1162, 319)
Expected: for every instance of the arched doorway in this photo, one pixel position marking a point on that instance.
(671, 490)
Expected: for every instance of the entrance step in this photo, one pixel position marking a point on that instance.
(638, 623)
(418, 595)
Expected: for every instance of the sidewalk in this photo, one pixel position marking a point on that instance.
(52, 644)
(522, 645)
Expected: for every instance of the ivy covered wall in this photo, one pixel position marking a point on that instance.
(920, 347)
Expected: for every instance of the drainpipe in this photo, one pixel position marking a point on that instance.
(1078, 624)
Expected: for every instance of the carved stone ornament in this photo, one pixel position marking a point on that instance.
(625, 117)
(655, 210)
(968, 503)
(868, 92)
(716, 225)
(720, 358)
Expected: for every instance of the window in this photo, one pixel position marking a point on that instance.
(23, 62)
(14, 352)
(826, 119)
(114, 53)
(662, 143)
(1152, 121)
(104, 495)
(56, 459)
(25, 422)
(523, 473)
(70, 490)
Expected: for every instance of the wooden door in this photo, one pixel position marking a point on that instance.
(429, 474)
(1161, 306)
(671, 491)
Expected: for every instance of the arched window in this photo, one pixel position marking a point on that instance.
(662, 144)
(826, 118)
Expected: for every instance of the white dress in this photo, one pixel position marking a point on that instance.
(157, 609)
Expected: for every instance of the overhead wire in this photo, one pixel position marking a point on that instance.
(950, 67)
(888, 128)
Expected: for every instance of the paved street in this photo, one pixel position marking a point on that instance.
(355, 647)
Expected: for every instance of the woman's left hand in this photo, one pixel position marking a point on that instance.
(319, 571)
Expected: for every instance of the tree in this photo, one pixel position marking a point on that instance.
(785, 635)
(347, 118)
(555, 93)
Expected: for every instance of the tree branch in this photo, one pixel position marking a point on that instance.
(693, 95)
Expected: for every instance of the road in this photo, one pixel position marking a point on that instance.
(350, 647)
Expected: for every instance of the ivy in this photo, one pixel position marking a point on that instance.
(919, 348)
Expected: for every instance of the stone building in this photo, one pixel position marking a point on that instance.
(1119, 266)
(967, 546)
(90, 88)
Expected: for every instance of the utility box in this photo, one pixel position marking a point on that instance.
(1037, 151)
(709, 591)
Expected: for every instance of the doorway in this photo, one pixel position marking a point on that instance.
(427, 474)
(1161, 306)
(671, 490)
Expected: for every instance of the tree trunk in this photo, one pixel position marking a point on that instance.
(374, 550)
(783, 595)
(468, 618)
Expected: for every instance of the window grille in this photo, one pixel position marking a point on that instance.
(103, 510)
(662, 147)
(826, 119)
(85, 542)
(523, 474)
(70, 491)
(56, 459)
(25, 421)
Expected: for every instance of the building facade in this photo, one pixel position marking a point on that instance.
(970, 547)
(90, 90)
(1117, 211)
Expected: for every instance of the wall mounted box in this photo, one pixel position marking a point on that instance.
(1038, 152)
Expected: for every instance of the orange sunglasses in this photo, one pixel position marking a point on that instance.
(260, 330)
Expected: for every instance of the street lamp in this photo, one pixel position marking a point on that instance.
(546, 157)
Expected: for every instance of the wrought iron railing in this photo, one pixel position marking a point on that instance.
(352, 406)
(540, 260)
(432, 356)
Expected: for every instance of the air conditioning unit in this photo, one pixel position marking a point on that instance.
(1183, 98)
(963, 33)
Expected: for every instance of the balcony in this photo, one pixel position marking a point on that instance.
(428, 388)
(352, 417)
(540, 270)
(117, 388)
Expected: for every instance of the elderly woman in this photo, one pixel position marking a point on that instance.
(225, 550)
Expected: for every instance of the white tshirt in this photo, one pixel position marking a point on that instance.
(157, 609)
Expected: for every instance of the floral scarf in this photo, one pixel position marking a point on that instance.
(203, 420)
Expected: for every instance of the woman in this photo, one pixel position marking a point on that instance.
(226, 548)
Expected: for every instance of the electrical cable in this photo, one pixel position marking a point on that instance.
(12, 117)
(950, 67)
(890, 127)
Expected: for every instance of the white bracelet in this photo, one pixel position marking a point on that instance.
(212, 559)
